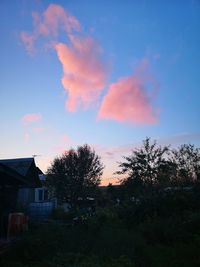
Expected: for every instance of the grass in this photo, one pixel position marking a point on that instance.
(115, 237)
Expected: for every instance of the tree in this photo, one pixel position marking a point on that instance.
(75, 174)
(112, 191)
(144, 165)
(187, 161)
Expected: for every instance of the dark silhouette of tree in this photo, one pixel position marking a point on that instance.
(112, 191)
(153, 165)
(75, 174)
(144, 165)
(187, 161)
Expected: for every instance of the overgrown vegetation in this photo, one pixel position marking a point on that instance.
(162, 232)
(151, 220)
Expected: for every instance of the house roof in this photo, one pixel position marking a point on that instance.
(21, 165)
(10, 177)
(26, 168)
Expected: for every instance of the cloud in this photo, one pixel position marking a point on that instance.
(53, 19)
(64, 144)
(30, 125)
(180, 138)
(130, 99)
(119, 150)
(84, 72)
(28, 40)
(31, 118)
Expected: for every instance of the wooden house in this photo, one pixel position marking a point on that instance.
(25, 168)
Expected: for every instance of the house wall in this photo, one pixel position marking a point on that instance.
(26, 196)
(8, 199)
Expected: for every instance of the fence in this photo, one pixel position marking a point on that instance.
(41, 210)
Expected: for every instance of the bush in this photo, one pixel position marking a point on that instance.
(159, 231)
(60, 214)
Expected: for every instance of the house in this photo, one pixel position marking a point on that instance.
(22, 191)
(27, 170)
(27, 192)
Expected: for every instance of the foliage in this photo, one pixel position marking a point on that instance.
(144, 165)
(56, 245)
(187, 161)
(75, 174)
(161, 230)
(153, 167)
(60, 215)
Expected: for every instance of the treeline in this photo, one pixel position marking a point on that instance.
(77, 173)
(152, 168)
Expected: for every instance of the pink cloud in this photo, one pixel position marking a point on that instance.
(53, 19)
(84, 72)
(128, 99)
(31, 118)
(28, 40)
(64, 144)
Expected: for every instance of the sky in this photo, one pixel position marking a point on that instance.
(105, 73)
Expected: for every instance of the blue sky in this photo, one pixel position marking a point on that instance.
(138, 62)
